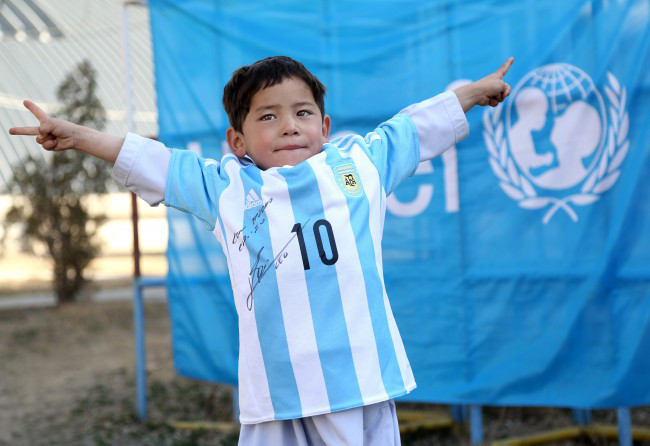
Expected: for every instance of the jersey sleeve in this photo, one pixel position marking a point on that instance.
(179, 178)
(417, 133)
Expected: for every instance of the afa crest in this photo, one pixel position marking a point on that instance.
(348, 179)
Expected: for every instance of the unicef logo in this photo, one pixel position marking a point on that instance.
(558, 144)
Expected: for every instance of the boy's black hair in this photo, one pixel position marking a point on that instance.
(248, 80)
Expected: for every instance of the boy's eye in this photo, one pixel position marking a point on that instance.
(267, 117)
(304, 113)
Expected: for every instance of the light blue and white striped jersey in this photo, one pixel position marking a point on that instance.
(303, 245)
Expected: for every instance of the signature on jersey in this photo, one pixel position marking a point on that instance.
(257, 220)
(262, 266)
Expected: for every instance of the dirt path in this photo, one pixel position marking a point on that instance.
(49, 359)
(66, 378)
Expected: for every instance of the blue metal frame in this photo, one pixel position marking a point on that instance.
(139, 283)
(459, 413)
(581, 416)
(624, 426)
(476, 424)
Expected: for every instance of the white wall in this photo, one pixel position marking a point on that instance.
(20, 271)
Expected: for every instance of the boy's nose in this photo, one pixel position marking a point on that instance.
(290, 128)
(291, 131)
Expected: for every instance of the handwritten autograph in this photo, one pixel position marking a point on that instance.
(261, 267)
(258, 219)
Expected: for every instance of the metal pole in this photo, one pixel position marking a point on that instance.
(138, 307)
(128, 90)
(476, 424)
(136, 238)
(140, 351)
(130, 127)
(624, 427)
(582, 416)
(127, 68)
(459, 413)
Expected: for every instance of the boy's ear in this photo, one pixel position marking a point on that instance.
(235, 142)
(327, 125)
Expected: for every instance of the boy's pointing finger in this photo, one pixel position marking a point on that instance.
(33, 131)
(506, 66)
(36, 111)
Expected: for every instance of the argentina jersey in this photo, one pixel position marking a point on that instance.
(303, 246)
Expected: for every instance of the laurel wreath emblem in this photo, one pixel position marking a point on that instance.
(603, 177)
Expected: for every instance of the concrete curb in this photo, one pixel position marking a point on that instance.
(47, 299)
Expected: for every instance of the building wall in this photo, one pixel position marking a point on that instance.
(20, 271)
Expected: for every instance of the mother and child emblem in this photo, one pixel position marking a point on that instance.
(554, 147)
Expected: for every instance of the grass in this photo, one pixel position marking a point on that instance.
(103, 417)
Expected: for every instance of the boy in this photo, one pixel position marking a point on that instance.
(300, 221)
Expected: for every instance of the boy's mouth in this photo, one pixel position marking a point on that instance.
(290, 147)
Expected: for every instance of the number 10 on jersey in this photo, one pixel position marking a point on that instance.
(331, 260)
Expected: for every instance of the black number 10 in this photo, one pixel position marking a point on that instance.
(319, 243)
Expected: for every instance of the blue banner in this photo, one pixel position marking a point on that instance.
(518, 263)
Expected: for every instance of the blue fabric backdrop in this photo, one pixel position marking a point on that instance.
(518, 264)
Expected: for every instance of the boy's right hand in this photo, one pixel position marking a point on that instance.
(491, 90)
(52, 133)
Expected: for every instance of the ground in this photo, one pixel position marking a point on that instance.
(66, 378)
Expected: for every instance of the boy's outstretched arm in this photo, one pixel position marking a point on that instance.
(487, 91)
(58, 134)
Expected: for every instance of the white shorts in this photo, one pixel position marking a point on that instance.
(373, 425)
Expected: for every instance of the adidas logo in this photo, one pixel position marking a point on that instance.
(252, 200)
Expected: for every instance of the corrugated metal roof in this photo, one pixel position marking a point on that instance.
(42, 41)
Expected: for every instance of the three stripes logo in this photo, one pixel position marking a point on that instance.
(252, 200)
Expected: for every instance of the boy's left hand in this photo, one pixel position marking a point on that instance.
(491, 90)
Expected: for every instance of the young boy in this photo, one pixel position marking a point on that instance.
(300, 220)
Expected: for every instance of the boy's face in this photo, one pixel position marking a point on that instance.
(283, 127)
